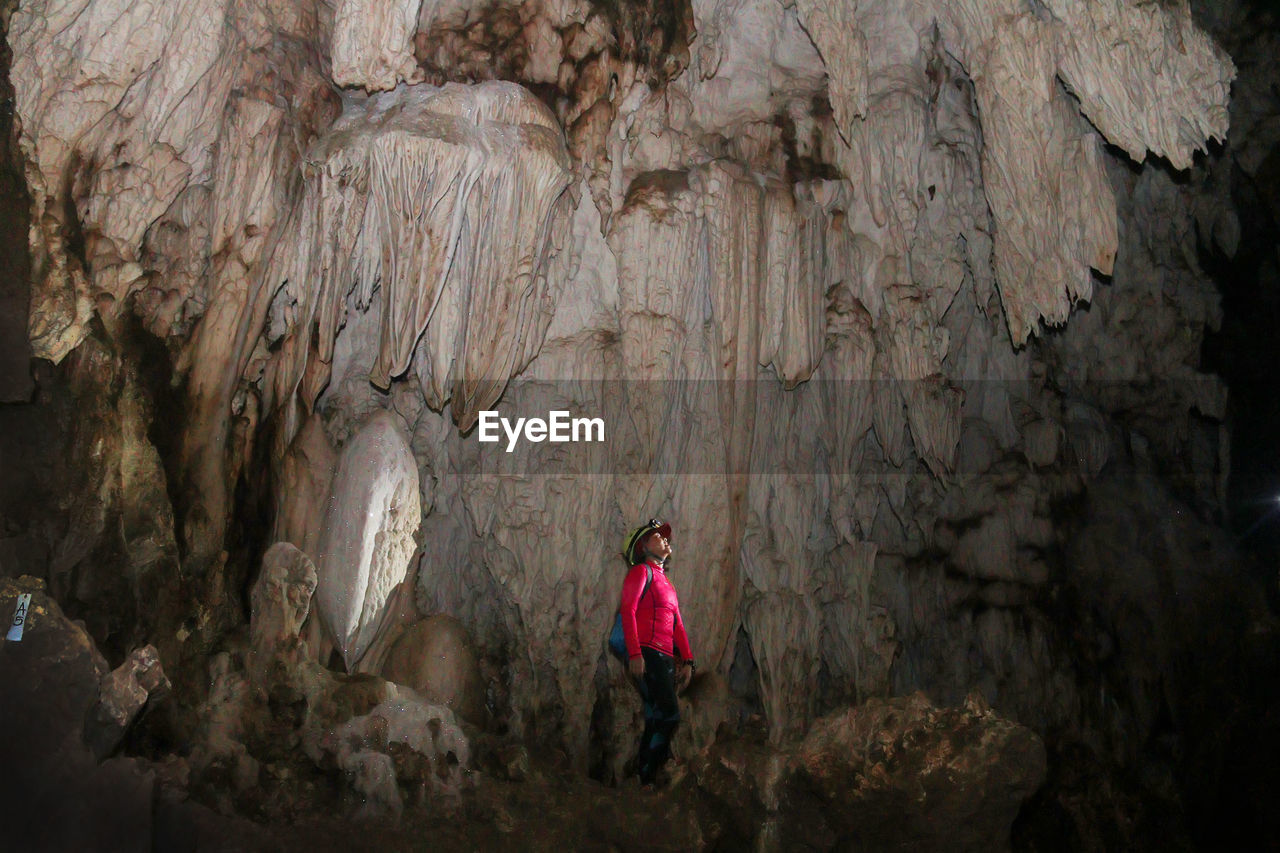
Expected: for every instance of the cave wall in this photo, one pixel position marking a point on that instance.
(16, 384)
(867, 296)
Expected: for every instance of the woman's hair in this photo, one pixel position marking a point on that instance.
(640, 551)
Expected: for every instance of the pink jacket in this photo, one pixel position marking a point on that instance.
(653, 621)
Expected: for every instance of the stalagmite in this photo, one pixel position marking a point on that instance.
(281, 599)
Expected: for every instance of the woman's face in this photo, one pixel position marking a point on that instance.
(656, 545)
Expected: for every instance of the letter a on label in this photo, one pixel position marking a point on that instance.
(19, 618)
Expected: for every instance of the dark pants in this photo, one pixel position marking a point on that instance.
(661, 712)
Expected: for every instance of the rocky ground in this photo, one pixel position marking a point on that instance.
(285, 755)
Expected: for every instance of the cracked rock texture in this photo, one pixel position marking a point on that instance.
(831, 274)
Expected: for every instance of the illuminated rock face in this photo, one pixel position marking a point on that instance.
(796, 259)
(1161, 87)
(443, 200)
(372, 44)
(367, 543)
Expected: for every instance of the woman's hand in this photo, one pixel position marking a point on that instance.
(635, 666)
(684, 674)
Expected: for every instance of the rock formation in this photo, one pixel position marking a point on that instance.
(368, 541)
(281, 600)
(889, 775)
(436, 658)
(63, 714)
(890, 308)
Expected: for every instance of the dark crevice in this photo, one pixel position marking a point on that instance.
(168, 402)
(16, 383)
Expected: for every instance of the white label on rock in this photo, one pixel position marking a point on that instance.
(19, 618)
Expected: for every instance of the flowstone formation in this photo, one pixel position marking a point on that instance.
(369, 524)
(885, 306)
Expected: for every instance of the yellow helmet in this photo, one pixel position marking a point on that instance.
(635, 537)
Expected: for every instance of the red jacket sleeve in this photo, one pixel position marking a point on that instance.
(681, 638)
(631, 589)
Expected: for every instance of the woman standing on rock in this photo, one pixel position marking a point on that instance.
(654, 634)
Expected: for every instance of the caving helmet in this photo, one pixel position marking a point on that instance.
(631, 544)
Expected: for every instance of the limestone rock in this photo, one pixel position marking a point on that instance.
(373, 776)
(750, 61)
(306, 475)
(16, 379)
(93, 56)
(795, 263)
(373, 44)
(50, 684)
(220, 756)
(1030, 129)
(399, 613)
(475, 156)
(121, 695)
(280, 600)
(55, 657)
(748, 775)
(902, 773)
(118, 508)
(372, 516)
(437, 659)
(402, 741)
(885, 775)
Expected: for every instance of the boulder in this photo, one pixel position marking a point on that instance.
(903, 774)
(54, 795)
(122, 693)
(890, 774)
(403, 741)
(435, 657)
